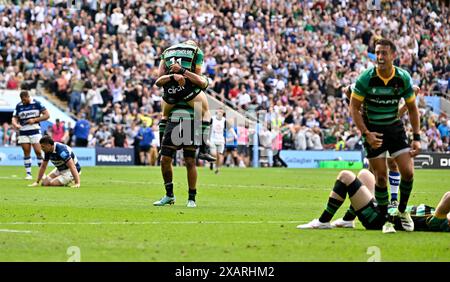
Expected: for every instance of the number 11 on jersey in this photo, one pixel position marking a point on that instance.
(173, 61)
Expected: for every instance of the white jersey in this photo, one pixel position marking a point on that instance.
(217, 130)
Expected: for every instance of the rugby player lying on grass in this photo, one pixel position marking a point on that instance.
(360, 190)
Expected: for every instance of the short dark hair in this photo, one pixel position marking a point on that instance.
(46, 139)
(24, 93)
(386, 42)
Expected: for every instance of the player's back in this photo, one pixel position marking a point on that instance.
(189, 57)
(61, 155)
(184, 54)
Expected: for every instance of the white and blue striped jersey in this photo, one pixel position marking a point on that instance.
(61, 155)
(26, 112)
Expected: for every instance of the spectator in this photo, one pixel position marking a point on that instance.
(81, 131)
(58, 131)
(444, 129)
(119, 137)
(145, 137)
(76, 89)
(5, 134)
(103, 136)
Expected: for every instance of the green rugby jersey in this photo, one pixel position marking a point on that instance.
(420, 210)
(189, 57)
(381, 96)
(181, 110)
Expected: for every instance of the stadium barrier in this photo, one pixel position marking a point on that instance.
(432, 160)
(313, 159)
(341, 164)
(114, 156)
(13, 156)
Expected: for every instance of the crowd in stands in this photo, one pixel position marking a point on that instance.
(289, 59)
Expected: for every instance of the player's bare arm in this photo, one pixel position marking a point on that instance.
(195, 78)
(414, 118)
(75, 174)
(15, 123)
(373, 138)
(41, 172)
(45, 116)
(164, 78)
(404, 108)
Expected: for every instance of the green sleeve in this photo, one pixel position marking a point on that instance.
(360, 88)
(200, 56)
(407, 91)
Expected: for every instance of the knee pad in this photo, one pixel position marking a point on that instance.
(340, 188)
(354, 187)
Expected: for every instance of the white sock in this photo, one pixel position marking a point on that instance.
(27, 164)
(394, 183)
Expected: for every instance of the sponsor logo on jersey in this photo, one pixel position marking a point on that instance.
(28, 114)
(174, 90)
(384, 101)
(179, 52)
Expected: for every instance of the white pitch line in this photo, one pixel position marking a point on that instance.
(224, 185)
(150, 222)
(229, 185)
(14, 231)
(246, 186)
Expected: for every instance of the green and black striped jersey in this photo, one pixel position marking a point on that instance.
(381, 96)
(189, 57)
(181, 110)
(420, 210)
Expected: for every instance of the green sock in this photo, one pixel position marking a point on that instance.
(332, 206)
(382, 197)
(350, 214)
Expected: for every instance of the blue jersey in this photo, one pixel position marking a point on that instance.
(231, 141)
(61, 155)
(81, 129)
(26, 112)
(147, 136)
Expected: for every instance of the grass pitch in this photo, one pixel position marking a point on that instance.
(242, 215)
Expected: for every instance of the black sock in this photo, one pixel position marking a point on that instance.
(169, 189)
(350, 214)
(405, 191)
(331, 208)
(382, 197)
(192, 194)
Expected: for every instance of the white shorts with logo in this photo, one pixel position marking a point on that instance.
(64, 176)
(29, 139)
